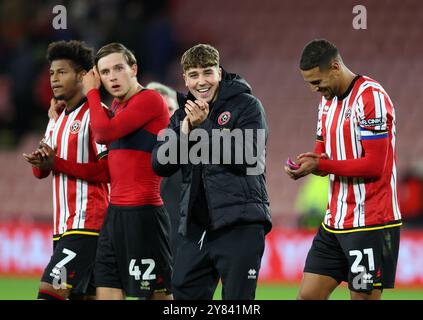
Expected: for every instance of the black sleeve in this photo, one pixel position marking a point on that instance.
(167, 144)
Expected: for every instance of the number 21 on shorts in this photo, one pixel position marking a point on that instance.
(356, 266)
(135, 271)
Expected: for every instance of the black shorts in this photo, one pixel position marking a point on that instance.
(133, 251)
(72, 263)
(365, 259)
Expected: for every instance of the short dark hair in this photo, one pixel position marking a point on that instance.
(200, 56)
(318, 53)
(81, 56)
(116, 47)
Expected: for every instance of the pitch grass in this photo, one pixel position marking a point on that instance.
(26, 289)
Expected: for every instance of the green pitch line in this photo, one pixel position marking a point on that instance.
(27, 288)
(289, 292)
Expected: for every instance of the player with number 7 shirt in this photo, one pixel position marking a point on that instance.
(79, 202)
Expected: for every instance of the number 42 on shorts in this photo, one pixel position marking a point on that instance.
(135, 271)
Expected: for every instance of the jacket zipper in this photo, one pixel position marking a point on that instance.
(203, 176)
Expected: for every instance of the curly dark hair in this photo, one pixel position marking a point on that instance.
(78, 52)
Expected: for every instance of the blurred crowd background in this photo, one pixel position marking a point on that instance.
(260, 40)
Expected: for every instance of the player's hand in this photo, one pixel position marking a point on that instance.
(91, 81)
(186, 125)
(56, 107)
(33, 158)
(307, 165)
(47, 152)
(312, 154)
(317, 156)
(42, 158)
(197, 111)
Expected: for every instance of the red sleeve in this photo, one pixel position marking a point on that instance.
(40, 174)
(319, 147)
(92, 172)
(135, 115)
(371, 165)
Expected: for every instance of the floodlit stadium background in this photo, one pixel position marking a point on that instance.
(260, 40)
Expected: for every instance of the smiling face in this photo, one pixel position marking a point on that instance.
(116, 75)
(203, 83)
(64, 80)
(327, 82)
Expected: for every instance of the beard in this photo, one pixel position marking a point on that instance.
(60, 97)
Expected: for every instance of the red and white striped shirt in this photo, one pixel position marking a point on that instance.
(365, 112)
(77, 204)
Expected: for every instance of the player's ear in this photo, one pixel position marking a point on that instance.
(220, 73)
(336, 66)
(185, 79)
(81, 75)
(134, 70)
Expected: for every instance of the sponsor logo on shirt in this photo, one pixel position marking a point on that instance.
(372, 122)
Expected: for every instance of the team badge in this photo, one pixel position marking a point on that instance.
(224, 118)
(325, 109)
(75, 126)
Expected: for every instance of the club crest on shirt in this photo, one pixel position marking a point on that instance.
(75, 126)
(348, 114)
(224, 118)
(325, 109)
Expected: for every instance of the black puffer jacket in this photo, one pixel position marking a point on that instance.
(233, 196)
